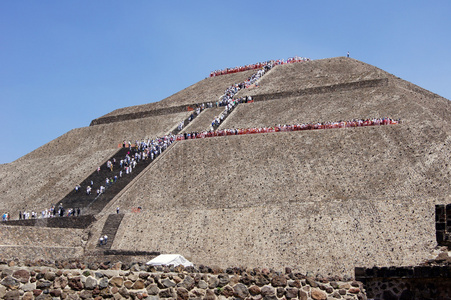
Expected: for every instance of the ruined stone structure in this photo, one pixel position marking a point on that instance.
(143, 282)
(322, 201)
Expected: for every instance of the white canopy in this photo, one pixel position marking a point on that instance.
(169, 259)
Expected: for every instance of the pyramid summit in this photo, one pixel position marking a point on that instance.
(339, 195)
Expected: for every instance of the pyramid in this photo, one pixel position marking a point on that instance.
(321, 201)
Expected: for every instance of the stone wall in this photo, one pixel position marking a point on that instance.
(443, 224)
(143, 114)
(413, 282)
(261, 97)
(323, 89)
(384, 101)
(39, 252)
(326, 200)
(103, 281)
(26, 242)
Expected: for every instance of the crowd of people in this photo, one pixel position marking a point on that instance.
(141, 150)
(258, 65)
(151, 148)
(228, 99)
(46, 213)
(228, 109)
(194, 114)
(286, 128)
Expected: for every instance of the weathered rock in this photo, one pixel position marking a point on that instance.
(317, 294)
(261, 280)
(56, 292)
(117, 281)
(187, 283)
(234, 280)
(72, 297)
(223, 280)
(213, 282)
(167, 293)
(124, 292)
(114, 289)
(279, 280)
(85, 294)
(138, 285)
(10, 282)
(7, 272)
(196, 293)
(256, 297)
(27, 296)
(128, 284)
(334, 284)
(247, 279)
(310, 281)
(28, 287)
(135, 268)
(103, 283)
(227, 291)
(167, 283)
(42, 285)
(254, 290)
(268, 290)
(75, 283)
(280, 292)
(346, 286)
(133, 277)
(354, 290)
(90, 283)
(182, 293)
(12, 295)
(176, 279)
(291, 292)
(21, 275)
(209, 295)
(202, 284)
(152, 289)
(60, 282)
(2, 291)
(240, 291)
(116, 266)
(294, 283)
(50, 276)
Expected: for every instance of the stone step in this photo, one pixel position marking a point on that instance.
(110, 228)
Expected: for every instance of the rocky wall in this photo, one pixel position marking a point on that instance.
(39, 252)
(139, 281)
(443, 224)
(324, 89)
(429, 280)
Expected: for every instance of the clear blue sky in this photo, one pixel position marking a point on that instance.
(64, 63)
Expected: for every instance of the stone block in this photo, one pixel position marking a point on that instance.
(440, 226)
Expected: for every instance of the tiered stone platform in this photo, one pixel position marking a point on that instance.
(322, 201)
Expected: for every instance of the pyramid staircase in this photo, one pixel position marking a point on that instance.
(93, 203)
(110, 227)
